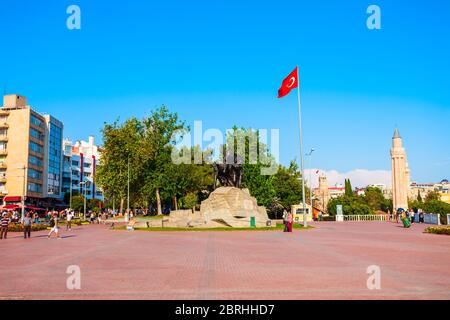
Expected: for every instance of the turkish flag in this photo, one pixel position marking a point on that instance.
(290, 82)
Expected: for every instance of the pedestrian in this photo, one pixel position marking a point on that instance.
(421, 216)
(54, 226)
(27, 221)
(320, 216)
(289, 222)
(285, 216)
(4, 225)
(411, 215)
(69, 217)
(36, 217)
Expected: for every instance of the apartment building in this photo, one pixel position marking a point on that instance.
(80, 164)
(28, 144)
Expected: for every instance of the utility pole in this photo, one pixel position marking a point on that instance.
(70, 197)
(310, 181)
(128, 190)
(24, 168)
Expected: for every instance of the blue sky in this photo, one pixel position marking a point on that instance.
(222, 62)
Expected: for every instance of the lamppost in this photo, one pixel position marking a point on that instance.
(83, 183)
(70, 188)
(310, 180)
(128, 188)
(24, 168)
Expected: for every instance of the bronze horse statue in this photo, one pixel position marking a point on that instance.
(229, 172)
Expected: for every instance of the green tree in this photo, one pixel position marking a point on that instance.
(375, 199)
(351, 205)
(78, 203)
(288, 185)
(348, 188)
(433, 195)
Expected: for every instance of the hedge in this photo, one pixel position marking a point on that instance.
(16, 227)
(438, 230)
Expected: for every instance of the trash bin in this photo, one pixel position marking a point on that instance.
(252, 222)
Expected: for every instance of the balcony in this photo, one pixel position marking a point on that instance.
(3, 165)
(3, 152)
(4, 112)
(3, 138)
(4, 125)
(3, 178)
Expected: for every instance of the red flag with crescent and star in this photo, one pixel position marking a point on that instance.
(289, 83)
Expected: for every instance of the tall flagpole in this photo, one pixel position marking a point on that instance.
(305, 223)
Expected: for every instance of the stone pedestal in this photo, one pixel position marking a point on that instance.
(233, 207)
(225, 207)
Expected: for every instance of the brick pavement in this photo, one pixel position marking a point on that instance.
(328, 262)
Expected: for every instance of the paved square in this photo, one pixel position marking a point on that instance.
(328, 262)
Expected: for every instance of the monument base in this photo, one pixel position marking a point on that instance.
(225, 207)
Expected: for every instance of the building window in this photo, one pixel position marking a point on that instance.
(36, 134)
(36, 148)
(35, 161)
(37, 122)
(34, 174)
(34, 187)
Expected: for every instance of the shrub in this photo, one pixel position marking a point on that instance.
(438, 230)
(17, 227)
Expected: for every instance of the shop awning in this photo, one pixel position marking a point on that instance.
(13, 199)
(10, 207)
(16, 206)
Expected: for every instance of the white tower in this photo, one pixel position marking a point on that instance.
(400, 173)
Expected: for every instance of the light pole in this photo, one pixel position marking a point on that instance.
(310, 180)
(70, 188)
(128, 189)
(83, 183)
(24, 168)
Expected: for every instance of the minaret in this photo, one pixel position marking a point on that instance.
(400, 173)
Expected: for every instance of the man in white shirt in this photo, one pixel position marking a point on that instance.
(69, 220)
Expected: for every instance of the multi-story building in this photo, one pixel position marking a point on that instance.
(79, 169)
(54, 152)
(442, 188)
(28, 153)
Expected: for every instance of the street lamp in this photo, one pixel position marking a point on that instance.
(24, 168)
(128, 188)
(70, 200)
(310, 180)
(83, 183)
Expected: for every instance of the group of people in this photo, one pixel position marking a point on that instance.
(410, 215)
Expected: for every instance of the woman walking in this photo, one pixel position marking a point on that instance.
(54, 226)
(289, 222)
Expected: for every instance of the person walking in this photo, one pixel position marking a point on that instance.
(69, 217)
(411, 215)
(35, 217)
(55, 227)
(421, 216)
(4, 225)
(289, 222)
(285, 216)
(27, 221)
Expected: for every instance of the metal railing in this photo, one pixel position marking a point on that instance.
(370, 217)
